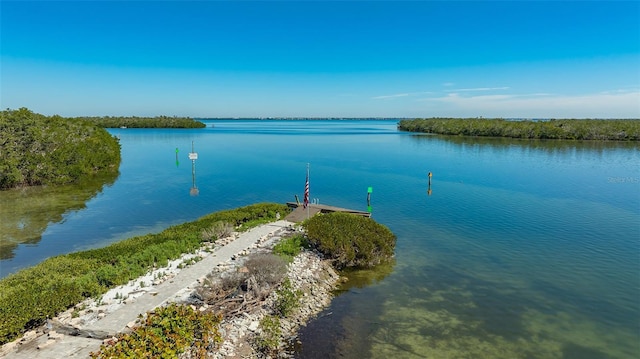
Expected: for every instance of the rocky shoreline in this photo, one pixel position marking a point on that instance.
(309, 273)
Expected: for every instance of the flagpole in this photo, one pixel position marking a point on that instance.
(308, 195)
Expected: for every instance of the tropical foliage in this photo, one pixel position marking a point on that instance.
(143, 122)
(167, 332)
(568, 129)
(269, 340)
(40, 150)
(28, 297)
(287, 299)
(290, 247)
(350, 240)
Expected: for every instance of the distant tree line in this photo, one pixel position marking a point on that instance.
(562, 129)
(143, 122)
(42, 150)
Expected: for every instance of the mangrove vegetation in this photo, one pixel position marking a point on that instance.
(559, 129)
(27, 212)
(349, 240)
(142, 122)
(51, 150)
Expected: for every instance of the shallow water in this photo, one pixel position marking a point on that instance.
(521, 249)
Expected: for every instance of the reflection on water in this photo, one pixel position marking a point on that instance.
(552, 168)
(365, 277)
(26, 212)
(194, 191)
(546, 146)
(193, 156)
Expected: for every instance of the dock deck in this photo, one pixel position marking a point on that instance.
(299, 213)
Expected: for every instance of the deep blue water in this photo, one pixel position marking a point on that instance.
(522, 249)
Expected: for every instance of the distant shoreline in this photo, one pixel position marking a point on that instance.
(556, 129)
(299, 118)
(399, 118)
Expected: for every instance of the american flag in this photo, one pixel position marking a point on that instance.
(306, 191)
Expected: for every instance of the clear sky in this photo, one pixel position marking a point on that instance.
(532, 59)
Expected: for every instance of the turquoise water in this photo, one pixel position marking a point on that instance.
(521, 249)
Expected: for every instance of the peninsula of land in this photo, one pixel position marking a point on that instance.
(98, 322)
(233, 282)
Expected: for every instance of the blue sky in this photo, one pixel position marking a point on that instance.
(532, 59)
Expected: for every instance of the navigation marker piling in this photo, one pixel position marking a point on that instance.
(193, 156)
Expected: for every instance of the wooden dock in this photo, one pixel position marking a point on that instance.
(299, 213)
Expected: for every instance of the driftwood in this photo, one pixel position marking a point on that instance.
(67, 329)
(229, 302)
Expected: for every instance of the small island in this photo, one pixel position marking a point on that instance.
(557, 129)
(142, 122)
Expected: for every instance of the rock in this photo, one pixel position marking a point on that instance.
(29, 335)
(76, 322)
(65, 316)
(109, 341)
(9, 347)
(54, 335)
(46, 344)
(253, 326)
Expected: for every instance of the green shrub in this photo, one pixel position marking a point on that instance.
(288, 299)
(166, 333)
(266, 268)
(218, 230)
(290, 247)
(350, 240)
(269, 339)
(28, 297)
